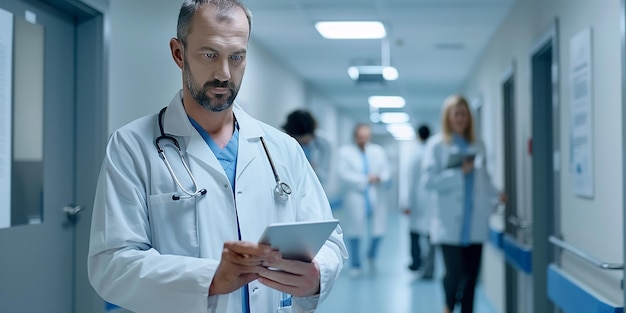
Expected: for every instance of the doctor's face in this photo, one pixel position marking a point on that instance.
(458, 119)
(362, 135)
(214, 58)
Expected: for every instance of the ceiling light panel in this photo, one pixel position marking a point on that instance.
(387, 102)
(351, 30)
(394, 117)
(401, 131)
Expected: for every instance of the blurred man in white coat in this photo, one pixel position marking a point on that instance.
(363, 170)
(420, 208)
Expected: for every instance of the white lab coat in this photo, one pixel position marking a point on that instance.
(149, 253)
(420, 199)
(354, 185)
(448, 184)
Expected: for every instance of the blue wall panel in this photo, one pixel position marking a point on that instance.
(572, 298)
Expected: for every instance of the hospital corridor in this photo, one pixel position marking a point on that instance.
(300, 156)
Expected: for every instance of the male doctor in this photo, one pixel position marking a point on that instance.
(364, 170)
(167, 240)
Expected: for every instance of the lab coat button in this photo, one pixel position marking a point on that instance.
(225, 185)
(255, 289)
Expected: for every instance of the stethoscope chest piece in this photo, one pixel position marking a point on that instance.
(282, 190)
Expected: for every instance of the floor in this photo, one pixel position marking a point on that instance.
(392, 288)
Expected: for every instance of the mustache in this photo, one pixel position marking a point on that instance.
(219, 84)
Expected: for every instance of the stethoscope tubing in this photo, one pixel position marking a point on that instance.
(281, 190)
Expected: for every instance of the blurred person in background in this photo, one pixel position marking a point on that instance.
(302, 126)
(419, 208)
(363, 169)
(465, 197)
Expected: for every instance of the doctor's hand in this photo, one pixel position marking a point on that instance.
(373, 179)
(300, 279)
(468, 165)
(502, 198)
(240, 264)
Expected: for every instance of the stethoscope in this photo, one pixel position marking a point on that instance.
(281, 190)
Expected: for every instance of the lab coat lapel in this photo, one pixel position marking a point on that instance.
(176, 123)
(249, 139)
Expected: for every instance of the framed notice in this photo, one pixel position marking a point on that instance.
(6, 89)
(581, 116)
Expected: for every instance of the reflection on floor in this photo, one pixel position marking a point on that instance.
(392, 288)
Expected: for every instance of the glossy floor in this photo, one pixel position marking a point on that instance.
(392, 288)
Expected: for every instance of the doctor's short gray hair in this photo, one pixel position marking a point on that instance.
(189, 8)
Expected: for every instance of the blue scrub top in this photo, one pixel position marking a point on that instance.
(468, 204)
(227, 156)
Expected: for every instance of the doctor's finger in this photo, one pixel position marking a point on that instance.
(237, 259)
(248, 248)
(297, 285)
(294, 266)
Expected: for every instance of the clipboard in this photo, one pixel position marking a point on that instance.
(298, 240)
(456, 160)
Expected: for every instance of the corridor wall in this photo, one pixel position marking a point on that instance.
(592, 224)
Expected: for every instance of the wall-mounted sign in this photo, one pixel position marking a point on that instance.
(581, 116)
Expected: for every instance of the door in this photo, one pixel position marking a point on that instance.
(545, 163)
(36, 267)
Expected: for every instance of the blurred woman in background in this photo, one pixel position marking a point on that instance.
(454, 167)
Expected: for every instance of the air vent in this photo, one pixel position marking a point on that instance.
(450, 46)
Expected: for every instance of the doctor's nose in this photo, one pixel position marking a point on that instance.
(222, 71)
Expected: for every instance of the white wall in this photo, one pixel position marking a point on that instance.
(142, 74)
(594, 225)
(144, 78)
(269, 90)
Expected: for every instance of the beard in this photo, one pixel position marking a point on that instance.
(217, 104)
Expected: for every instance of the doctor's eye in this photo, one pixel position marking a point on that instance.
(237, 57)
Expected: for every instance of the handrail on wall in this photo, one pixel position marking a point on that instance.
(584, 255)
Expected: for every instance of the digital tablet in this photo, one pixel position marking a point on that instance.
(456, 160)
(298, 240)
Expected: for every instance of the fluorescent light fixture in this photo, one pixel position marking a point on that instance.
(351, 30)
(370, 73)
(375, 117)
(390, 73)
(387, 102)
(394, 117)
(403, 131)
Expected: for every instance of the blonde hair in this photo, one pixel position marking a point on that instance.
(451, 102)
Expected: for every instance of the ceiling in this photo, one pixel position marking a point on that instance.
(434, 44)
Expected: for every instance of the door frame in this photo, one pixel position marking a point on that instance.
(91, 135)
(510, 272)
(623, 59)
(546, 220)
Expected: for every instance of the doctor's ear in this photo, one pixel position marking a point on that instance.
(176, 48)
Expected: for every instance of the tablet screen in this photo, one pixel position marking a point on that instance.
(298, 240)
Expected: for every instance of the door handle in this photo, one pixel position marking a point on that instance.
(518, 222)
(72, 211)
